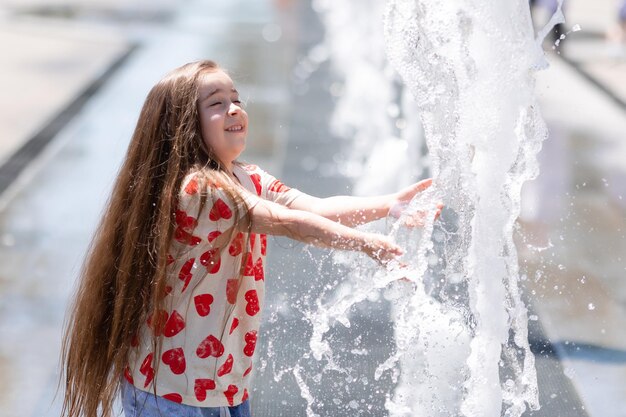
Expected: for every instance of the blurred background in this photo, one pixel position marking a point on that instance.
(75, 73)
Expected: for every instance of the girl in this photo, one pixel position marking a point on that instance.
(171, 293)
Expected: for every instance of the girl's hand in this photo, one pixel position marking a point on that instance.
(402, 198)
(382, 249)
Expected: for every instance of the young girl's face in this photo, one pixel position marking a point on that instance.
(223, 121)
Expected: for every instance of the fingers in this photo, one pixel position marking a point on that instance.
(424, 184)
(418, 218)
(400, 266)
(438, 212)
(383, 250)
(390, 251)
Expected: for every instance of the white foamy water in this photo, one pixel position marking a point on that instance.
(460, 326)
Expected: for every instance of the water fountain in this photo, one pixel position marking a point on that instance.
(460, 324)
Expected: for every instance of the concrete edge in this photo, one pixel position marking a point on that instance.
(14, 172)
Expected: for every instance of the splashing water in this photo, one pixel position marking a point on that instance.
(461, 342)
(483, 131)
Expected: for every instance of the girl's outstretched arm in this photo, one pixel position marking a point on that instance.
(307, 227)
(353, 211)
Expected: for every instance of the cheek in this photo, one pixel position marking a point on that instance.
(211, 127)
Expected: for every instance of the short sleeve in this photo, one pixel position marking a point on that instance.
(219, 213)
(271, 188)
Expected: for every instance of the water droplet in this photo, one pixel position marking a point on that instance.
(393, 110)
(272, 32)
(401, 124)
(576, 28)
(591, 306)
(533, 317)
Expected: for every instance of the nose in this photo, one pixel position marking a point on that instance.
(234, 109)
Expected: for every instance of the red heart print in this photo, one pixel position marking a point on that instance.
(184, 221)
(248, 371)
(177, 398)
(259, 273)
(170, 259)
(230, 394)
(174, 324)
(245, 395)
(278, 187)
(263, 244)
(232, 288)
(253, 302)
(236, 247)
(175, 358)
(147, 370)
(226, 367)
(201, 386)
(203, 304)
(210, 346)
(249, 268)
(234, 325)
(220, 210)
(156, 321)
(213, 235)
(256, 180)
(212, 260)
(185, 237)
(192, 187)
(185, 273)
(185, 225)
(128, 376)
(250, 339)
(134, 341)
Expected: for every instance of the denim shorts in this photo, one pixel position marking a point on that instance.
(138, 403)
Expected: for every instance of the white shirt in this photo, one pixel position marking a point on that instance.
(211, 325)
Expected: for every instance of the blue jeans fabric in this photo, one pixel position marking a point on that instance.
(138, 403)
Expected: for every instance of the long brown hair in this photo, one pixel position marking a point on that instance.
(124, 273)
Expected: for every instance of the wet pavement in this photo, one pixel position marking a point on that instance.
(575, 237)
(573, 220)
(53, 63)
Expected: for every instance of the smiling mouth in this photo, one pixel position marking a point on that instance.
(236, 128)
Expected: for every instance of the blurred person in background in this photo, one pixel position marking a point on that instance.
(617, 33)
(542, 11)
